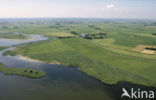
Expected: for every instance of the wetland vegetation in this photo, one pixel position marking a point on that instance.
(11, 35)
(21, 71)
(110, 59)
(17, 71)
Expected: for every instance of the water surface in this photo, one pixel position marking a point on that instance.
(11, 42)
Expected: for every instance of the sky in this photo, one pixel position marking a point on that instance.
(140, 9)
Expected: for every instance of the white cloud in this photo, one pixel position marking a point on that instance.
(110, 6)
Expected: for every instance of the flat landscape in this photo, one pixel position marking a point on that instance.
(105, 49)
(77, 50)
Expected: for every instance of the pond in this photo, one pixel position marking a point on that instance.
(60, 82)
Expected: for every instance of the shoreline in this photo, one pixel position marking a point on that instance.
(21, 72)
(35, 60)
(106, 83)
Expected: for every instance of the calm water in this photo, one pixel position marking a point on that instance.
(11, 42)
(60, 83)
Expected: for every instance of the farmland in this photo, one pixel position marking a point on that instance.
(109, 59)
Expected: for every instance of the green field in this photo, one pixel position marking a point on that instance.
(110, 59)
(10, 35)
(21, 71)
(2, 48)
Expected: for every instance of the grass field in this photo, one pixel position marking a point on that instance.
(2, 48)
(93, 60)
(110, 59)
(21, 71)
(60, 34)
(12, 36)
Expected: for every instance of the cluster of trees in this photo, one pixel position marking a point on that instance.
(64, 37)
(153, 33)
(91, 25)
(30, 71)
(97, 28)
(73, 32)
(94, 36)
(150, 24)
(11, 53)
(57, 26)
(102, 33)
(152, 48)
(90, 36)
(5, 27)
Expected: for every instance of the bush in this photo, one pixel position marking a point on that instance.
(11, 53)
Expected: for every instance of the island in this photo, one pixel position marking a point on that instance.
(21, 71)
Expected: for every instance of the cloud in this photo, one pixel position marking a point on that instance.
(110, 6)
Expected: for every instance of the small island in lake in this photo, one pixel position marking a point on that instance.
(21, 71)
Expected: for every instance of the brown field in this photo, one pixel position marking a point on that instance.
(139, 48)
(142, 49)
(148, 52)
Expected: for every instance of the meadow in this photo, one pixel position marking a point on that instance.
(2, 47)
(110, 60)
(9, 35)
(21, 71)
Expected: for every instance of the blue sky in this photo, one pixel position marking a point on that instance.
(78, 8)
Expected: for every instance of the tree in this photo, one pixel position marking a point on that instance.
(31, 71)
(25, 70)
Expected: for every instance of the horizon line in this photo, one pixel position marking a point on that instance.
(72, 18)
